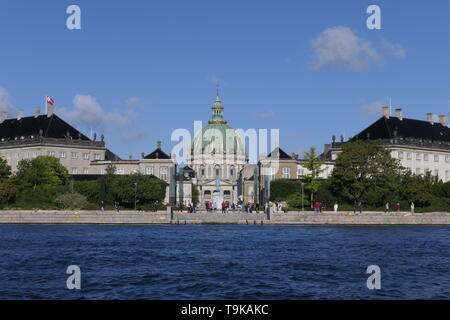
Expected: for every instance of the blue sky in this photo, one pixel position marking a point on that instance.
(139, 69)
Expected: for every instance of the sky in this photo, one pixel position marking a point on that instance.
(137, 70)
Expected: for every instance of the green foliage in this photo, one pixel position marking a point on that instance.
(40, 171)
(366, 172)
(5, 170)
(281, 189)
(195, 194)
(8, 192)
(71, 201)
(314, 165)
(148, 189)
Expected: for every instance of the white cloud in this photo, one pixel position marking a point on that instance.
(132, 137)
(394, 49)
(90, 113)
(5, 103)
(267, 115)
(133, 102)
(338, 47)
(373, 108)
(217, 80)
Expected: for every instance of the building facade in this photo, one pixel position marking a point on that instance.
(217, 156)
(420, 145)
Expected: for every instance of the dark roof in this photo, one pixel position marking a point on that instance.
(110, 156)
(52, 127)
(279, 154)
(157, 154)
(187, 168)
(385, 128)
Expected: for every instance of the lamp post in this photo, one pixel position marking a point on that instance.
(303, 199)
(135, 195)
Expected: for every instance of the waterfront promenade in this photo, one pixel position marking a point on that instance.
(181, 218)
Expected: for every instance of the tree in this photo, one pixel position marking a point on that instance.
(5, 170)
(71, 201)
(41, 171)
(366, 172)
(195, 194)
(148, 190)
(314, 166)
(8, 192)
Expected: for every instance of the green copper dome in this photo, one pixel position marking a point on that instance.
(217, 136)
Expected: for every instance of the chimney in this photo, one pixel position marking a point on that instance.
(399, 114)
(158, 144)
(20, 114)
(443, 120)
(142, 155)
(430, 118)
(3, 116)
(50, 110)
(37, 112)
(386, 112)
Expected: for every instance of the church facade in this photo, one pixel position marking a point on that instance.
(217, 157)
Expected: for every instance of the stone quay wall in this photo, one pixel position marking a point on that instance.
(181, 218)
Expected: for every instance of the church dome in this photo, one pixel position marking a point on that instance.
(217, 136)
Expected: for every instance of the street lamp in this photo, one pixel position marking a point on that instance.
(135, 198)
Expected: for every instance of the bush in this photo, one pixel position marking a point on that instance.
(71, 201)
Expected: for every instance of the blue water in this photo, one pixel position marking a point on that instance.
(224, 262)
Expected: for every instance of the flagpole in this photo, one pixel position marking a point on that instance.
(45, 105)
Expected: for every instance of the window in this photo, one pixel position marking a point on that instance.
(74, 170)
(231, 172)
(97, 156)
(62, 155)
(418, 171)
(149, 170)
(34, 154)
(163, 173)
(418, 156)
(120, 171)
(85, 156)
(435, 172)
(400, 155)
(217, 172)
(74, 155)
(447, 158)
(202, 172)
(85, 171)
(425, 156)
(51, 153)
(286, 173)
(436, 158)
(135, 170)
(408, 156)
(300, 172)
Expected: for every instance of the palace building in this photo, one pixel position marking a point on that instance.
(218, 164)
(420, 145)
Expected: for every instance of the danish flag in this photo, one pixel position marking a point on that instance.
(50, 100)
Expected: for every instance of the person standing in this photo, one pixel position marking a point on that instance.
(316, 206)
(102, 205)
(412, 207)
(223, 206)
(336, 206)
(386, 210)
(397, 207)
